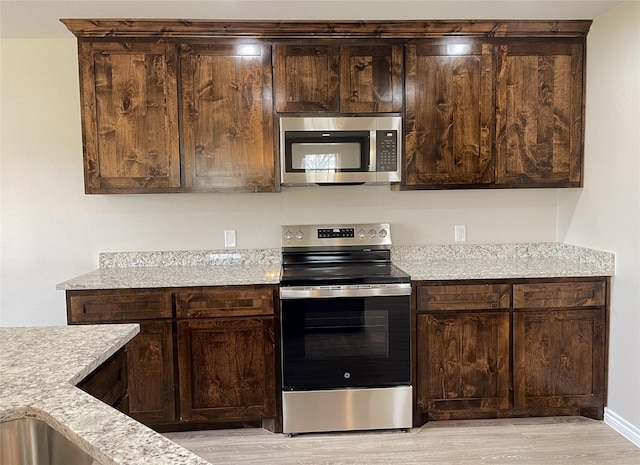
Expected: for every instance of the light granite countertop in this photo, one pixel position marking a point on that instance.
(39, 367)
(502, 261)
(121, 270)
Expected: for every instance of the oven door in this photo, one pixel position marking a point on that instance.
(339, 342)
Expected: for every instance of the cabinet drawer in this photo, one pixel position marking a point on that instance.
(559, 295)
(463, 297)
(116, 305)
(225, 301)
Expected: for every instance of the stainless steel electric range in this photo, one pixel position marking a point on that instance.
(346, 330)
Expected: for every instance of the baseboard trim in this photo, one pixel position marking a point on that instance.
(622, 426)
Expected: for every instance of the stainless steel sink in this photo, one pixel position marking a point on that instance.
(28, 441)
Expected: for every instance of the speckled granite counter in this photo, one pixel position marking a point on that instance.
(180, 269)
(39, 367)
(262, 266)
(502, 261)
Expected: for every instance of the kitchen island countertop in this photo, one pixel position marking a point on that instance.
(40, 366)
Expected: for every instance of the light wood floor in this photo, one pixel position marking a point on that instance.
(556, 441)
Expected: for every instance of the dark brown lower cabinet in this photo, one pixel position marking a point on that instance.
(559, 359)
(140, 381)
(513, 348)
(468, 363)
(109, 382)
(150, 354)
(151, 374)
(226, 369)
(205, 356)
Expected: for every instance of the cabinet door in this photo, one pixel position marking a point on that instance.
(226, 369)
(539, 109)
(227, 117)
(559, 344)
(449, 114)
(307, 77)
(463, 361)
(151, 374)
(129, 116)
(558, 358)
(371, 78)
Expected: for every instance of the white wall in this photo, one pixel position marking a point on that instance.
(52, 231)
(606, 213)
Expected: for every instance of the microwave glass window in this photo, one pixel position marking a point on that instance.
(330, 157)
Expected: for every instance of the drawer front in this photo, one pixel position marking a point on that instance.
(463, 297)
(225, 301)
(114, 305)
(559, 295)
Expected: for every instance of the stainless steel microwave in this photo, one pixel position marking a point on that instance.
(340, 150)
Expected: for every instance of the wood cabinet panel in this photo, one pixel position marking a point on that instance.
(559, 359)
(150, 358)
(226, 301)
(371, 78)
(109, 381)
(307, 77)
(463, 297)
(227, 117)
(117, 305)
(559, 295)
(463, 361)
(151, 374)
(226, 369)
(328, 77)
(539, 113)
(205, 29)
(449, 114)
(554, 335)
(129, 116)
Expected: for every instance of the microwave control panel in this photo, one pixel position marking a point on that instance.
(387, 150)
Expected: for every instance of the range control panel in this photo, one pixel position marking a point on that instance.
(328, 233)
(335, 235)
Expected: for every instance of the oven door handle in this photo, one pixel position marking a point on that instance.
(347, 290)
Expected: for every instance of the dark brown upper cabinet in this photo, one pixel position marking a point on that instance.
(190, 106)
(539, 113)
(329, 77)
(129, 116)
(449, 114)
(494, 113)
(227, 119)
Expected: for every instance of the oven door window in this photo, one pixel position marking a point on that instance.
(346, 342)
(327, 152)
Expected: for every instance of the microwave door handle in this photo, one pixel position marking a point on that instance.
(372, 152)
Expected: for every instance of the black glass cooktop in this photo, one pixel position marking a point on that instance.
(337, 274)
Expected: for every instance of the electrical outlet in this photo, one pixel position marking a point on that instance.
(230, 238)
(460, 233)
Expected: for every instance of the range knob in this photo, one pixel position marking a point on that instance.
(299, 235)
(288, 235)
(372, 233)
(383, 233)
(361, 233)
